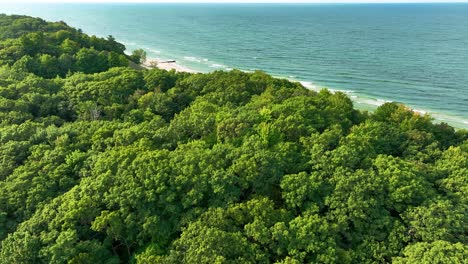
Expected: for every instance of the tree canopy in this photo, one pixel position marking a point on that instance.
(102, 163)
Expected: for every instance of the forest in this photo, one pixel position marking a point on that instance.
(101, 162)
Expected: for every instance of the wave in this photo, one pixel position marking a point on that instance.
(358, 99)
(455, 121)
(195, 59)
(136, 45)
(215, 65)
(310, 85)
(128, 43)
(420, 111)
(315, 87)
(370, 101)
(153, 50)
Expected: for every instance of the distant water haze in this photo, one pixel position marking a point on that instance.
(243, 1)
(416, 54)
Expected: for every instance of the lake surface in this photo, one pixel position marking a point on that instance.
(416, 54)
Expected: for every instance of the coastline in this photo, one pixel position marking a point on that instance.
(153, 63)
(132, 40)
(360, 101)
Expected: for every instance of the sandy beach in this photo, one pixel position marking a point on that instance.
(166, 65)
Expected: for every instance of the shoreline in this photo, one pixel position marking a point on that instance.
(360, 101)
(156, 63)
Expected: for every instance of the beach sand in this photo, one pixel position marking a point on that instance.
(165, 65)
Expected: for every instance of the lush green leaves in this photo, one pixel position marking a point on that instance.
(101, 165)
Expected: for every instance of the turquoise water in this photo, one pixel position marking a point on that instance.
(416, 54)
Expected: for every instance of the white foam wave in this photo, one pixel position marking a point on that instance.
(193, 59)
(419, 111)
(128, 43)
(154, 51)
(455, 121)
(370, 101)
(310, 85)
(215, 65)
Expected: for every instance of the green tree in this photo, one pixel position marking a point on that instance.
(91, 61)
(138, 56)
(439, 252)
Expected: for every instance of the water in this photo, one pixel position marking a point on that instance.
(416, 54)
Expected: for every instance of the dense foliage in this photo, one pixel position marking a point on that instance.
(55, 49)
(119, 165)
